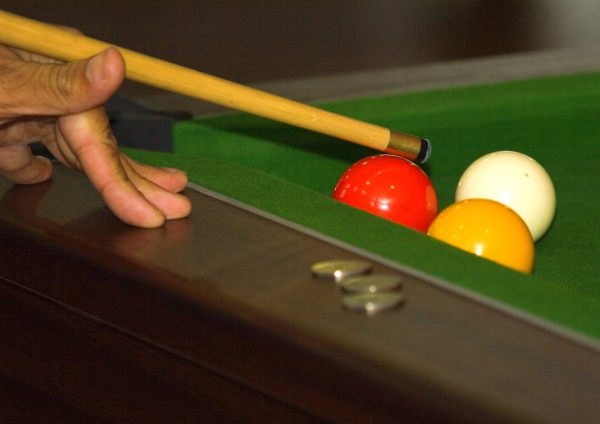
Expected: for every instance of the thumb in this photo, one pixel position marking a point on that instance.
(54, 89)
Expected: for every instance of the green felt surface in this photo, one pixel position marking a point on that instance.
(291, 172)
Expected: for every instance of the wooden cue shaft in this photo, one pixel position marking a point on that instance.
(57, 43)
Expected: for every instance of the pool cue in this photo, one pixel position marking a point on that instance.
(57, 43)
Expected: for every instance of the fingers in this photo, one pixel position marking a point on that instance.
(160, 188)
(86, 142)
(172, 180)
(136, 199)
(31, 88)
(19, 165)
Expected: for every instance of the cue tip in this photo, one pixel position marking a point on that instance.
(408, 146)
(425, 151)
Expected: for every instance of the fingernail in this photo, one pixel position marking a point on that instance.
(174, 171)
(97, 69)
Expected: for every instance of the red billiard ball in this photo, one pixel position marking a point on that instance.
(391, 187)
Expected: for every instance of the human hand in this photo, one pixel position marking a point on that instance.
(60, 105)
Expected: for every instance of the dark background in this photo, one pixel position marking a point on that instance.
(263, 40)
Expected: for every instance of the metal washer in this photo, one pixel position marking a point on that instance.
(340, 269)
(371, 283)
(372, 303)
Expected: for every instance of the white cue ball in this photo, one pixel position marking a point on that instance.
(516, 180)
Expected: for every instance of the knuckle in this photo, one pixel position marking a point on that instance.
(24, 85)
(60, 87)
(61, 82)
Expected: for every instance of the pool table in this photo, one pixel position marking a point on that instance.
(217, 317)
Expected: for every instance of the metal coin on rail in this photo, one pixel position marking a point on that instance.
(372, 303)
(340, 269)
(371, 283)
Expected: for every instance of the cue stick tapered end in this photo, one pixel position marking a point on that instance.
(408, 146)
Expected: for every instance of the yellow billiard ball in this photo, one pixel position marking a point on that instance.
(488, 229)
